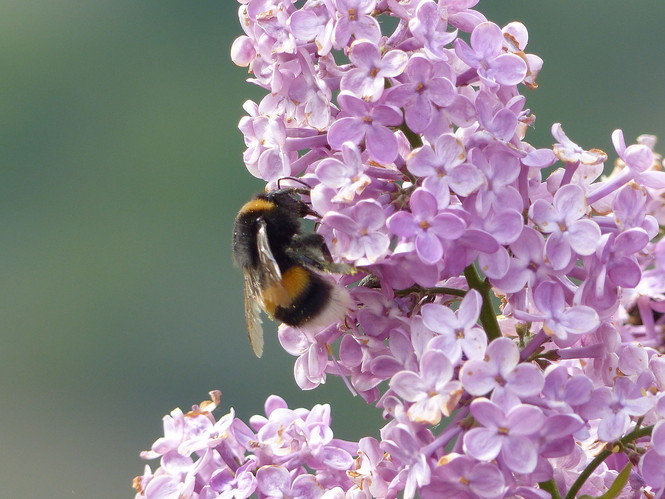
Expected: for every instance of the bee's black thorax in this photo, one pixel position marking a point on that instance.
(281, 214)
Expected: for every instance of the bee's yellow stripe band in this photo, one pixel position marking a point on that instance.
(294, 281)
(257, 205)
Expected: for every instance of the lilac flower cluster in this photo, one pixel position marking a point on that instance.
(270, 457)
(412, 142)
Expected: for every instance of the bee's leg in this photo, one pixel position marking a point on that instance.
(311, 249)
(316, 242)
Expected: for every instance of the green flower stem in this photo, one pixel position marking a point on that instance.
(414, 139)
(487, 313)
(604, 454)
(550, 487)
(440, 290)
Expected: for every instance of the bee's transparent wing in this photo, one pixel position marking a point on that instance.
(273, 293)
(253, 314)
(263, 290)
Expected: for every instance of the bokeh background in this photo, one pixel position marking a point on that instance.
(120, 175)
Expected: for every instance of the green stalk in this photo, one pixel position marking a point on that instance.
(414, 139)
(604, 454)
(550, 487)
(438, 290)
(487, 313)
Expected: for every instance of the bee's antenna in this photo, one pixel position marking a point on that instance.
(295, 179)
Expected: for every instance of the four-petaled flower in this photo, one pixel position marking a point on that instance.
(559, 319)
(371, 68)
(432, 391)
(502, 374)
(361, 232)
(493, 65)
(363, 121)
(563, 220)
(429, 227)
(347, 176)
(505, 434)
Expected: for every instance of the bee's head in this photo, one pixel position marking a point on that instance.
(289, 199)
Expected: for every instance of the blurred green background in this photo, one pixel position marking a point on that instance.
(120, 177)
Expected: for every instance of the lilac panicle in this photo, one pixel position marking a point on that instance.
(508, 319)
(231, 459)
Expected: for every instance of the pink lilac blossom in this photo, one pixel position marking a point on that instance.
(507, 435)
(508, 320)
(425, 86)
(432, 392)
(427, 226)
(370, 68)
(457, 331)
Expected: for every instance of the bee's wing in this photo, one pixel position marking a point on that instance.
(253, 313)
(269, 268)
(263, 289)
(273, 293)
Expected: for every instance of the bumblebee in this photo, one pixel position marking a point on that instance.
(284, 268)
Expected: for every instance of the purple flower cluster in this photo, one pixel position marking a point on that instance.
(273, 456)
(412, 143)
